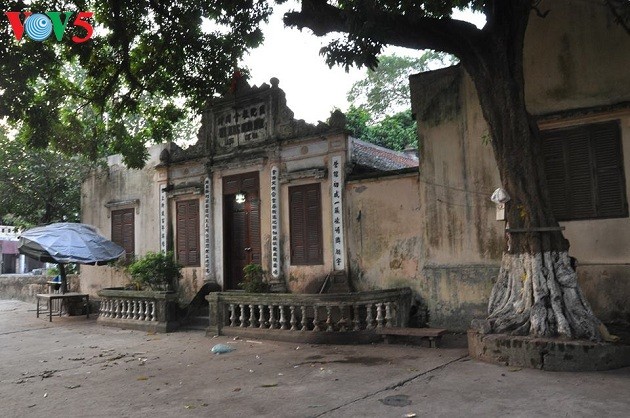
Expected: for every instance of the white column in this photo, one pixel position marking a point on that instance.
(207, 212)
(275, 222)
(337, 179)
(163, 217)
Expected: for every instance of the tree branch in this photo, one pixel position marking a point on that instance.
(408, 30)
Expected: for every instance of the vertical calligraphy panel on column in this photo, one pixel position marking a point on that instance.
(339, 251)
(163, 217)
(275, 222)
(207, 205)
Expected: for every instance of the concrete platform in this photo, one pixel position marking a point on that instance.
(552, 354)
(72, 367)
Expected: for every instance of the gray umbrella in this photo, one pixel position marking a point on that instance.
(68, 243)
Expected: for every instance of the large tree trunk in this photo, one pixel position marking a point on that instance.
(537, 291)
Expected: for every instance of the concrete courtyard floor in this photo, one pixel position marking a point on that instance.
(73, 367)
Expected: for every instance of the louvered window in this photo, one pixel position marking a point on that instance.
(584, 169)
(123, 231)
(188, 233)
(306, 224)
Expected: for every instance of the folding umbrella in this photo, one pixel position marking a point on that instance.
(67, 242)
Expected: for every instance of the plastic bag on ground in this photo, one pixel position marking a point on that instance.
(222, 349)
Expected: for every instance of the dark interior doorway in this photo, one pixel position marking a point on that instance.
(241, 226)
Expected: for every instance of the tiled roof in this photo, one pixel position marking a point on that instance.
(378, 158)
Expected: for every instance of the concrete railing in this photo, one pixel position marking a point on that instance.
(328, 318)
(143, 310)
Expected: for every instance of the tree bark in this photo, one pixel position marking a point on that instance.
(537, 292)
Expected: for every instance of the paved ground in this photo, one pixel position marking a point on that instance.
(73, 367)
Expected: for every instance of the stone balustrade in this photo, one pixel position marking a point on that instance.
(143, 310)
(328, 318)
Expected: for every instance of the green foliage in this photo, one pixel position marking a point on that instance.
(147, 66)
(155, 271)
(71, 268)
(394, 132)
(375, 113)
(38, 186)
(253, 279)
(386, 88)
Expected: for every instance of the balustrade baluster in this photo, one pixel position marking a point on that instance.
(147, 312)
(379, 315)
(316, 327)
(252, 317)
(242, 316)
(342, 322)
(261, 316)
(283, 320)
(109, 306)
(369, 319)
(273, 322)
(388, 314)
(356, 321)
(232, 315)
(115, 308)
(153, 315)
(293, 321)
(304, 319)
(133, 309)
(141, 313)
(329, 326)
(125, 304)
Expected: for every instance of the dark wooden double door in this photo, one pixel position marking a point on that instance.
(241, 226)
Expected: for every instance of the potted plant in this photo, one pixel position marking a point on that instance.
(254, 279)
(155, 271)
(150, 302)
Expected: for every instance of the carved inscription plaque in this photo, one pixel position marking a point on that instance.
(242, 126)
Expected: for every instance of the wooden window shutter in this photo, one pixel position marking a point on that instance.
(187, 229)
(297, 219)
(584, 171)
(611, 184)
(306, 224)
(123, 230)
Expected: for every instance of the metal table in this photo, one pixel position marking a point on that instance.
(63, 297)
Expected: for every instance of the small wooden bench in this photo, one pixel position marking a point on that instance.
(433, 334)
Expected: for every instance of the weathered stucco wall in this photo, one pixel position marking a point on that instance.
(575, 57)
(297, 157)
(462, 240)
(384, 232)
(580, 66)
(118, 184)
(26, 286)
(298, 162)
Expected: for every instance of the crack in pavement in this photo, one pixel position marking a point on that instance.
(392, 386)
(23, 330)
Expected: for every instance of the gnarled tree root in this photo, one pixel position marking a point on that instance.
(538, 295)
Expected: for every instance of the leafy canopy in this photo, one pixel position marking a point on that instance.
(376, 113)
(129, 84)
(396, 131)
(386, 87)
(38, 186)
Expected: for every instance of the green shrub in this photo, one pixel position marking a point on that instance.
(155, 271)
(253, 279)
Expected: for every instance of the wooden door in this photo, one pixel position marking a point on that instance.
(241, 227)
